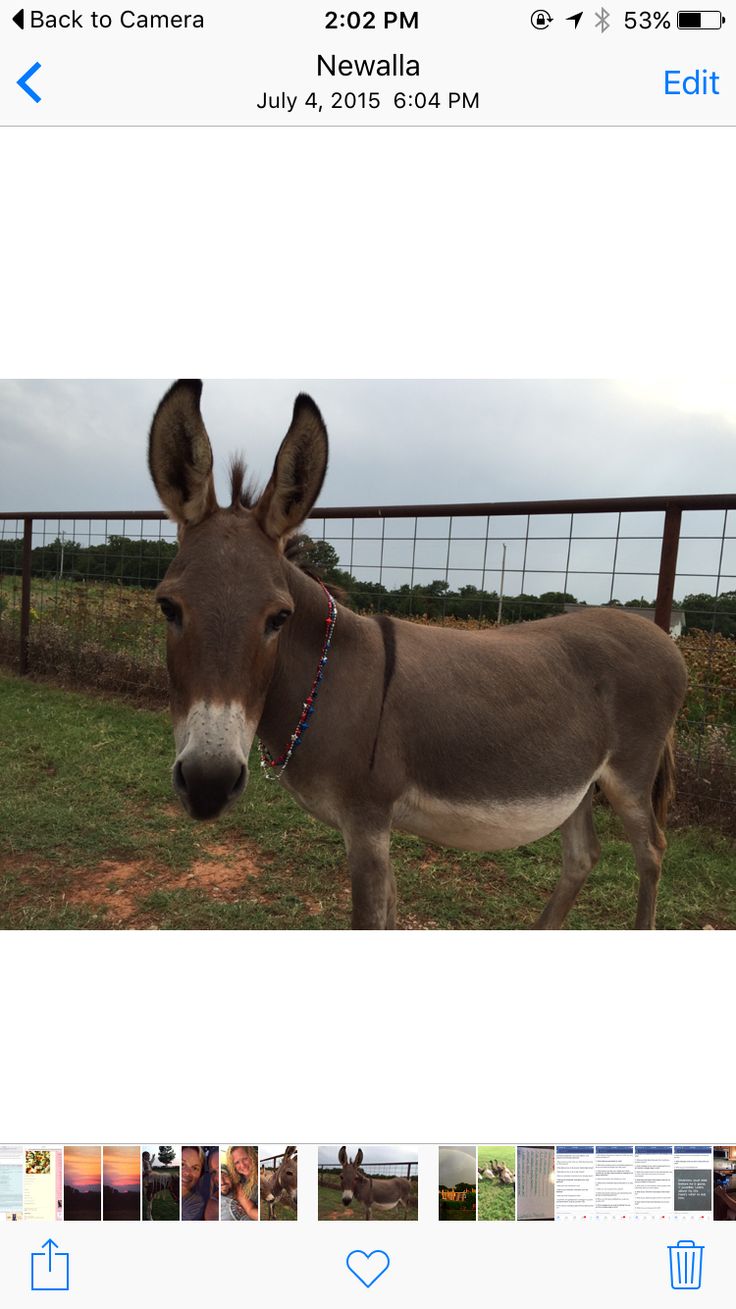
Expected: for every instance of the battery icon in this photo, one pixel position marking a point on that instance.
(700, 20)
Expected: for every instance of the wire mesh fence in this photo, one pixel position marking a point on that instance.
(76, 598)
(330, 1175)
(271, 1162)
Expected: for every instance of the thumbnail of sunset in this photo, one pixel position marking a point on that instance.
(122, 1167)
(82, 1167)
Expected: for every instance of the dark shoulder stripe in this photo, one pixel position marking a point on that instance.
(388, 632)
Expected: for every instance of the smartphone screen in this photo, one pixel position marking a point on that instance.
(368, 697)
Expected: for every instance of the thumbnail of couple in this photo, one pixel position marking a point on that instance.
(206, 1185)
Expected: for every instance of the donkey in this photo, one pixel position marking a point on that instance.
(154, 1183)
(480, 740)
(373, 1192)
(281, 1183)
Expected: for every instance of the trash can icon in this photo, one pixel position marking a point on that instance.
(686, 1266)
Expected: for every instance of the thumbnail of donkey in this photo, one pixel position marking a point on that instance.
(373, 1192)
(279, 1185)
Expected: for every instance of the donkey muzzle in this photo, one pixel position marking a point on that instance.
(211, 768)
(205, 789)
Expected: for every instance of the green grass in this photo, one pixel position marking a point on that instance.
(284, 1212)
(165, 1208)
(114, 616)
(496, 1201)
(91, 836)
(331, 1207)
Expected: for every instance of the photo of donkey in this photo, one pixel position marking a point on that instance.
(278, 1183)
(478, 740)
(371, 1183)
(160, 1183)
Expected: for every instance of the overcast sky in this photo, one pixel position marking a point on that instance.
(82, 446)
(458, 1164)
(372, 1154)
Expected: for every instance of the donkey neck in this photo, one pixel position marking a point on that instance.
(300, 648)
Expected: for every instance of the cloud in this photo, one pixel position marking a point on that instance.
(457, 1164)
(82, 445)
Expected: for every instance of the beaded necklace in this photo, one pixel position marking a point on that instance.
(268, 763)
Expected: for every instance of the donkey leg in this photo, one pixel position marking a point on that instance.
(634, 808)
(580, 853)
(372, 879)
(391, 898)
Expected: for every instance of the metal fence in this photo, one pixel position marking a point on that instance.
(271, 1163)
(75, 588)
(329, 1175)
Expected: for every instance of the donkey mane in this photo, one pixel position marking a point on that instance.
(243, 495)
(246, 494)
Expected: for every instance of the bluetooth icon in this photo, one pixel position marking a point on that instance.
(602, 20)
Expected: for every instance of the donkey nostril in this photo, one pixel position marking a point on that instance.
(179, 779)
(239, 783)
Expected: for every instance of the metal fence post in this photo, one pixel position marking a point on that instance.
(25, 594)
(668, 567)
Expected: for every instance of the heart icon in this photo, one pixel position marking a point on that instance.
(367, 1272)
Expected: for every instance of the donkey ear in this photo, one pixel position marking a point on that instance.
(298, 473)
(180, 455)
(343, 1155)
(358, 1159)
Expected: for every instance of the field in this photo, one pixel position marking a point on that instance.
(331, 1207)
(283, 1213)
(91, 836)
(165, 1208)
(496, 1201)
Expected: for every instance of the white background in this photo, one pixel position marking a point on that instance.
(455, 253)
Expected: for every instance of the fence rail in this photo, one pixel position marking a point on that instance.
(672, 507)
(329, 1174)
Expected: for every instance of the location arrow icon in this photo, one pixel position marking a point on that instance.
(575, 18)
(19, 19)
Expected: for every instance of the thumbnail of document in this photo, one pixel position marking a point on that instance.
(614, 1181)
(693, 1179)
(535, 1182)
(11, 1182)
(42, 1185)
(653, 1180)
(575, 1181)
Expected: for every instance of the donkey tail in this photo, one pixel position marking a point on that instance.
(663, 791)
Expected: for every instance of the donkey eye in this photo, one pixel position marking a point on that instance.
(170, 611)
(276, 621)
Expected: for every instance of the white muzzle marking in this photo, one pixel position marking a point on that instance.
(211, 731)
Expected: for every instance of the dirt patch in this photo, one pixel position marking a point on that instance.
(114, 886)
(119, 886)
(412, 923)
(225, 869)
(11, 863)
(313, 906)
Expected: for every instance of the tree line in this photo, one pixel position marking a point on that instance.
(132, 562)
